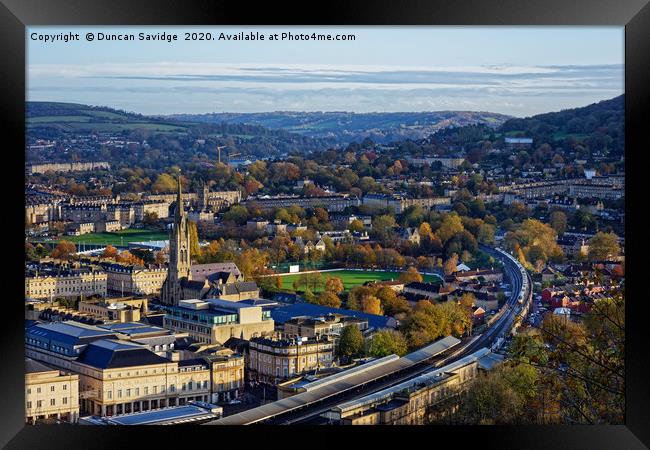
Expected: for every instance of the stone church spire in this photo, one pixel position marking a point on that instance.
(179, 269)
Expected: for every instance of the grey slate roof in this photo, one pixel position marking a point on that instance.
(110, 354)
(32, 366)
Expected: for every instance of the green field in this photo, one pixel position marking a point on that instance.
(352, 278)
(118, 238)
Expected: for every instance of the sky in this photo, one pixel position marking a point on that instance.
(518, 71)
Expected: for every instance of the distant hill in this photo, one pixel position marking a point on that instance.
(588, 123)
(177, 140)
(345, 127)
(73, 117)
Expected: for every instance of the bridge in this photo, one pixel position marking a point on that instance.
(317, 397)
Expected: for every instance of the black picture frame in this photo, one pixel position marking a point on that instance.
(15, 15)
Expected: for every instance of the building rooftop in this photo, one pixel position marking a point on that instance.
(283, 313)
(164, 416)
(70, 332)
(111, 354)
(32, 366)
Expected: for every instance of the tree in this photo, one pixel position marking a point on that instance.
(411, 275)
(237, 214)
(371, 305)
(387, 342)
(252, 263)
(449, 267)
(64, 250)
(490, 401)
(109, 252)
(150, 218)
(558, 221)
(383, 227)
(425, 231)
(278, 282)
(195, 249)
(423, 325)
(391, 303)
(533, 233)
(603, 246)
(329, 299)
(356, 225)
(485, 234)
(159, 258)
(334, 285)
(451, 224)
(164, 183)
(127, 257)
(351, 342)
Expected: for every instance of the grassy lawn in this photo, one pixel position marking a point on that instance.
(118, 237)
(352, 278)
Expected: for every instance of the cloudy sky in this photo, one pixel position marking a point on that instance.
(512, 70)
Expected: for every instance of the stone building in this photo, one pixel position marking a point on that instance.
(186, 281)
(118, 375)
(50, 393)
(410, 402)
(214, 321)
(129, 279)
(41, 282)
(271, 361)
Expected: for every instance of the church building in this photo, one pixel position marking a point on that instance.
(186, 281)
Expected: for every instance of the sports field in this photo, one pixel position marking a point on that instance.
(119, 238)
(352, 278)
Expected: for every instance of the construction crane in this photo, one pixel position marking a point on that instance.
(231, 155)
(219, 151)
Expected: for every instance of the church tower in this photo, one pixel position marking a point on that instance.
(203, 194)
(179, 269)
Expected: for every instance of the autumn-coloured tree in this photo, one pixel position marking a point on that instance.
(109, 252)
(159, 258)
(278, 282)
(328, 299)
(411, 275)
(356, 225)
(64, 250)
(252, 263)
(195, 249)
(127, 257)
(371, 305)
(451, 225)
(334, 285)
(164, 183)
(451, 264)
(603, 246)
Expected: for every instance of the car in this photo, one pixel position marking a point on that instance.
(234, 401)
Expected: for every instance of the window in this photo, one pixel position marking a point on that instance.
(137, 391)
(119, 393)
(29, 390)
(128, 392)
(172, 388)
(52, 388)
(65, 387)
(39, 403)
(29, 405)
(38, 390)
(52, 402)
(146, 390)
(109, 394)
